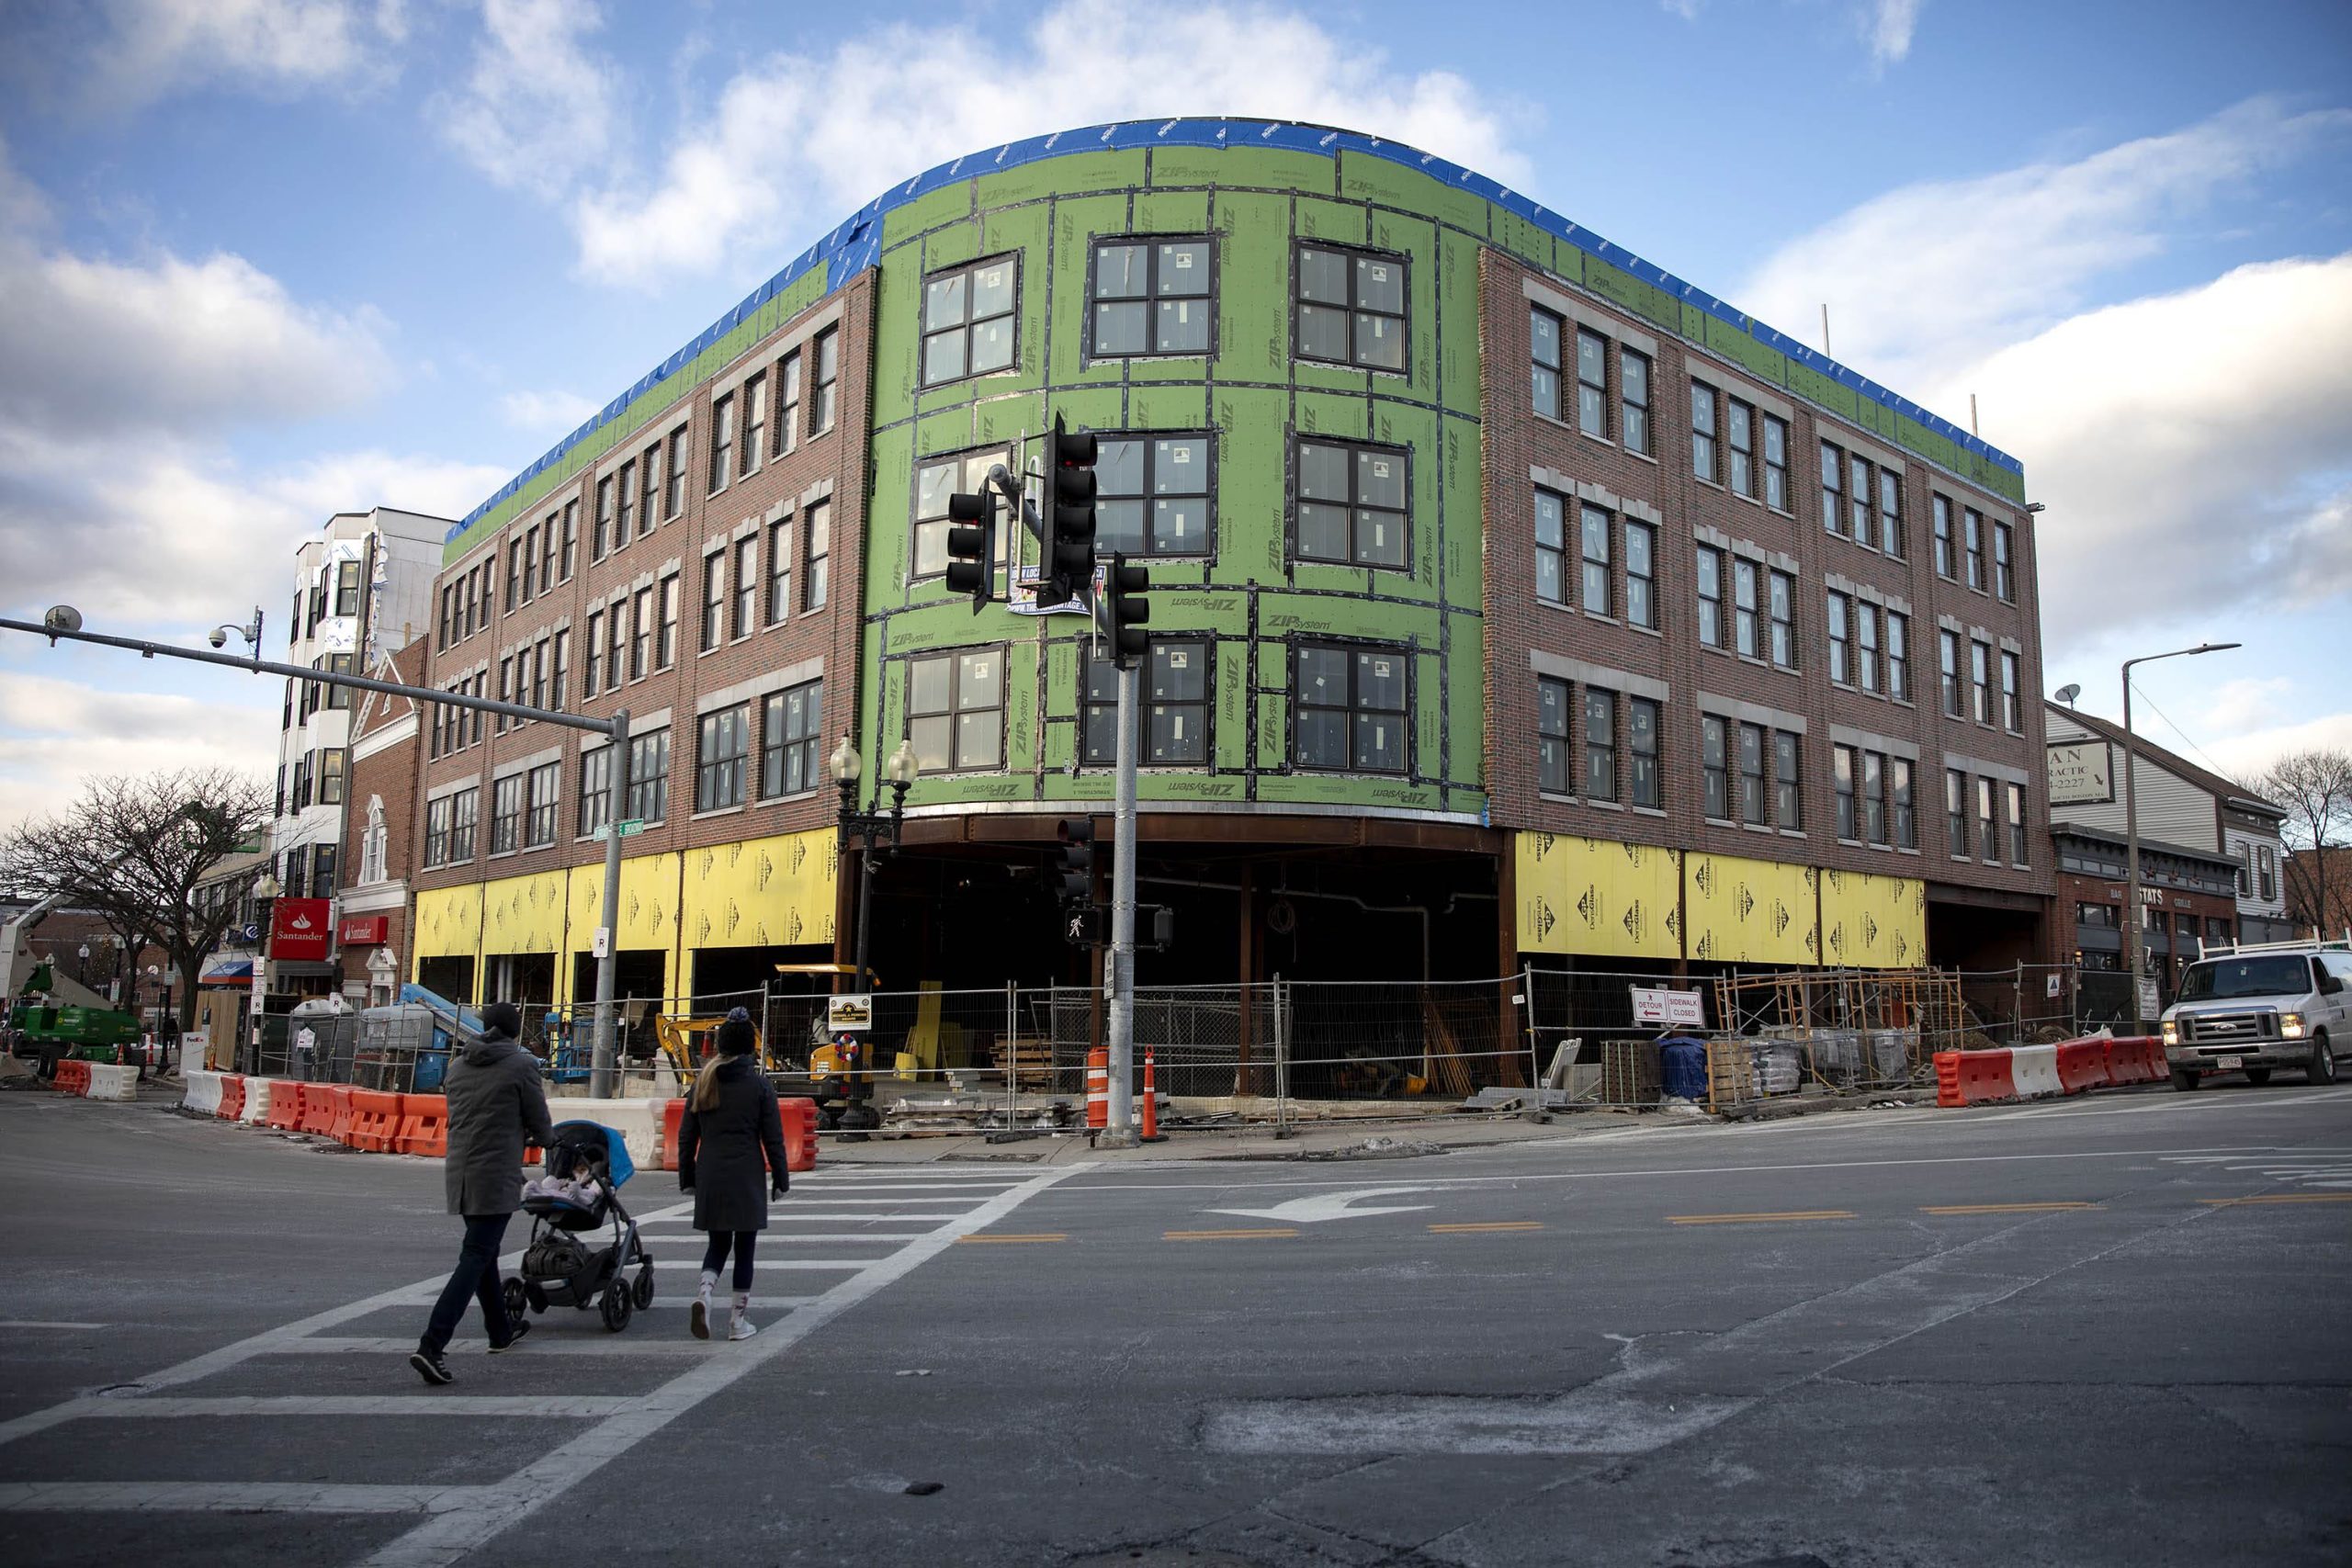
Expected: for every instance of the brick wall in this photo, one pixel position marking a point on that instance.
(390, 775)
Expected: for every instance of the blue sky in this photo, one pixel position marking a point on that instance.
(261, 260)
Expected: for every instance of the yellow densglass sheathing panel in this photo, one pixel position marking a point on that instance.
(1873, 922)
(523, 914)
(649, 913)
(448, 922)
(774, 892)
(1597, 897)
(1750, 912)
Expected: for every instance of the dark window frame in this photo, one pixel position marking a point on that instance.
(1150, 441)
(1355, 310)
(1350, 652)
(722, 758)
(1353, 505)
(957, 711)
(1151, 296)
(782, 749)
(968, 323)
(1098, 705)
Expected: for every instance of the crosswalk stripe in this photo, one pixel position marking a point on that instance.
(184, 1407)
(551, 1343)
(231, 1496)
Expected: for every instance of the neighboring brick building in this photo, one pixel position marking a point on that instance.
(1494, 569)
(372, 908)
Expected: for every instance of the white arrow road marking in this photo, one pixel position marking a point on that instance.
(1332, 1206)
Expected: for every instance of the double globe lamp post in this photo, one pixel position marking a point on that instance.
(878, 832)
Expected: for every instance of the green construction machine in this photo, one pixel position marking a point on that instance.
(51, 1017)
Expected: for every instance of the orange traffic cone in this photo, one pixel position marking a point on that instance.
(1150, 1103)
(1098, 1087)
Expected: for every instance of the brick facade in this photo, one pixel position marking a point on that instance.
(387, 749)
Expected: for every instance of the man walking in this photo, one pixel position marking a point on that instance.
(495, 1107)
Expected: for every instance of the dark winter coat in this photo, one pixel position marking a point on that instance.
(495, 1107)
(729, 1154)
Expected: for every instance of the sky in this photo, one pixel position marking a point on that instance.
(265, 260)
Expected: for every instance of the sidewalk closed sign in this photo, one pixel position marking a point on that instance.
(1688, 1008)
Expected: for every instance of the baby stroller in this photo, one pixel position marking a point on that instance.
(559, 1268)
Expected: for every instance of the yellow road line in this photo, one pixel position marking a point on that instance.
(1759, 1219)
(1491, 1226)
(1043, 1236)
(2002, 1208)
(2280, 1198)
(1225, 1235)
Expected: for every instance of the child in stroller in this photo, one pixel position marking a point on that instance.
(586, 1167)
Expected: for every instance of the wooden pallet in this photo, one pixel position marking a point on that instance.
(1030, 1061)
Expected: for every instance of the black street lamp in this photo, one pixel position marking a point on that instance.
(880, 833)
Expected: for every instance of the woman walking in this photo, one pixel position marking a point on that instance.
(732, 1124)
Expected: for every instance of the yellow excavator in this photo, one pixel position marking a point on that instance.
(837, 1072)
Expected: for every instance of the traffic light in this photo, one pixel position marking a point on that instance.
(971, 546)
(1130, 611)
(1069, 514)
(1075, 882)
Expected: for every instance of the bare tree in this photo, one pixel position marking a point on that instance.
(133, 850)
(2315, 789)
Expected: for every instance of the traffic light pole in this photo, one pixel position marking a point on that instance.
(1121, 1133)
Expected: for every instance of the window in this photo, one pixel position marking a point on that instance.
(538, 675)
(546, 782)
(1715, 767)
(779, 573)
(1600, 744)
(437, 831)
(640, 647)
(547, 531)
(1859, 494)
(1875, 798)
(1972, 523)
(1176, 719)
(1788, 794)
(346, 588)
(816, 547)
(722, 441)
(1596, 561)
(665, 649)
(2012, 719)
(1740, 429)
(755, 424)
(1349, 710)
(441, 638)
(506, 815)
(1153, 297)
(955, 710)
(2245, 873)
(533, 583)
(1890, 513)
(331, 769)
(1988, 824)
(1866, 644)
(649, 777)
(1948, 663)
(592, 647)
(1634, 400)
(1352, 504)
(747, 587)
(513, 572)
(1956, 812)
(1711, 595)
(725, 742)
(934, 482)
(967, 320)
(481, 688)
(714, 598)
(1592, 384)
(2004, 584)
(1551, 736)
(595, 789)
(621, 489)
(1703, 432)
(649, 484)
(822, 396)
(559, 658)
(1742, 604)
(1941, 507)
(1776, 462)
(2017, 824)
(1543, 333)
(1350, 308)
(674, 472)
(1152, 495)
(1833, 503)
(2267, 865)
(1980, 681)
(1641, 574)
(1641, 752)
(788, 403)
(1551, 548)
(2100, 915)
(303, 766)
(341, 664)
(1784, 625)
(1842, 770)
(571, 538)
(1840, 639)
(1753, 741)
(506, 694)
(790, 722)
(1904, 808)
(1898, 656)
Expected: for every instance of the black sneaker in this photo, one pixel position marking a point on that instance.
(515, 1333)
(431, 1366)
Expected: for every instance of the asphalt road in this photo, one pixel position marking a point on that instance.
(2105, 1331)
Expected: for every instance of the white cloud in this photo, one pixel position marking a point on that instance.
(147, 49)
(1887, 27)
(1931, 276)
(795, 141)
(56, 733)
(535, 111)
(1686, 9)
(547, 413)
(2248, 755)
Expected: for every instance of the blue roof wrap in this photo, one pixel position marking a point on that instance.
(856, 244)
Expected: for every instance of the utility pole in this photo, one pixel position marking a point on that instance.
(1121, 1133)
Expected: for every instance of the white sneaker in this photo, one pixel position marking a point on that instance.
(739, 1325)
(698, 1318)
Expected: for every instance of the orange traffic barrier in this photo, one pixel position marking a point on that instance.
(73, 1077)
(2082, 1063)
(232, 1096)
(672, 1114)
(1974, 1078)
(2150, 1050)
(286, 1105)
(1150, 1103)
(318, 1109)
(1098, 1087)
(340, 1131)
(424, 1125)
(799, 1134)
(375, 1120)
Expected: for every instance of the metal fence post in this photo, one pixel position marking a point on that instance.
(1011, 1054)
(1534, 1065)
(2017, 1004)
(1281, 1059)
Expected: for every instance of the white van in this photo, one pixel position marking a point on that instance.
(2253, 1007)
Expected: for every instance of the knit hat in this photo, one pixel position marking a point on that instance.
(502, 1021)
(736, 1036)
